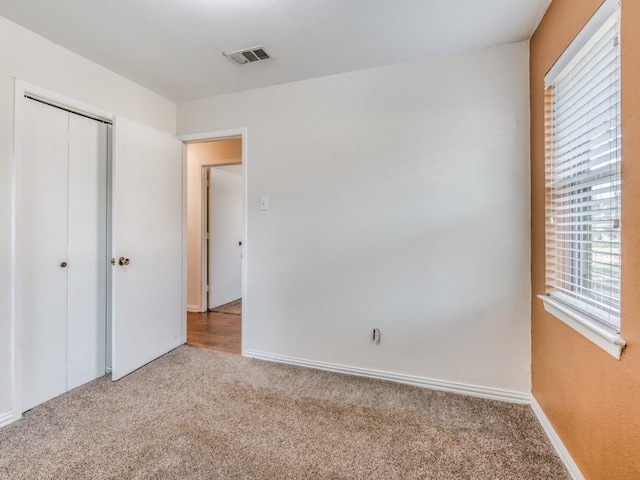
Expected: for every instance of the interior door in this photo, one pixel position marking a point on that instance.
(225, 235)
(147, 285)
(43, 253)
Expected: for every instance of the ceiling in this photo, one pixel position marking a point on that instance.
(174, 47)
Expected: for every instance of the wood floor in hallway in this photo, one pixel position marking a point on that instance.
(215, 331)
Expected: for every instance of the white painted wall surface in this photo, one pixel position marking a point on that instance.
(398, 199)
(36, 60)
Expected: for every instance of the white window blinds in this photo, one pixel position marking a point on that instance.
(583, 173)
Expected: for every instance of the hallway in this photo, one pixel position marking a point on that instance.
(215, 331)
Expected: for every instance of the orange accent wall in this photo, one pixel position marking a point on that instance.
(592, 399)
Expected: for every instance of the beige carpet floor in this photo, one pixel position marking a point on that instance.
(200, 414)
(234, 308)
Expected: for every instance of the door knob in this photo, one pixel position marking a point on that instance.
(63, 265)
(123, 261)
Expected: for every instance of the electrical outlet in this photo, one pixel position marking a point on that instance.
(376, 336)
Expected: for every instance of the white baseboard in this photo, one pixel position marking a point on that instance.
(559, 447)
(193, 309)
(7, 418)
(452, 387)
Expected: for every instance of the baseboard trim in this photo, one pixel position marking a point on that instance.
(451, 387)
(555, 440)
(193, 309)
(7, 418)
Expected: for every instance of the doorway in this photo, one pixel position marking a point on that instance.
(215, 244)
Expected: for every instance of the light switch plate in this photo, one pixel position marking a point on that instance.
(264, 203)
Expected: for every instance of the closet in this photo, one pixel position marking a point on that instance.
(62, 279)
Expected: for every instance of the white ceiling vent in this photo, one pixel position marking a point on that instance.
(248, 55)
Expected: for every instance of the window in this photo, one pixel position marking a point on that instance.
(583, 150)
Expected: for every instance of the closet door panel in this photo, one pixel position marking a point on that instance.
(87, 250)
(42, 281)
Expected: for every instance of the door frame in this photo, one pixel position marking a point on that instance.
(227, 135)
(22, 88)
(204, 241)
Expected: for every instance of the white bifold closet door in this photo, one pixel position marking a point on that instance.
(149, 316)
(61, 268)
(87, 247)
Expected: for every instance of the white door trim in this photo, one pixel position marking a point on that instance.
(184, 242)
(204, 241)
(222, 135)
(21, 89)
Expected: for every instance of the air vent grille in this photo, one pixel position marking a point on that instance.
(248, 55)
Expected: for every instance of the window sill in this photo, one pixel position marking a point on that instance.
(606, 338)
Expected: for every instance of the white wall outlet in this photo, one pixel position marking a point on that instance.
(264, 203)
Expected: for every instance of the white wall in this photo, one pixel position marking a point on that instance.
(399, 199)
(35, 60)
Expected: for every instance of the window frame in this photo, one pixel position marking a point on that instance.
(589, 321)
